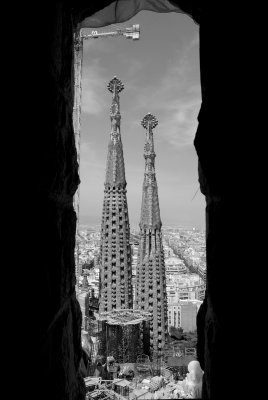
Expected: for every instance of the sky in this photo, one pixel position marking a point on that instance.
(160, 73)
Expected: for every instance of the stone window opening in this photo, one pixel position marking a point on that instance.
(73, 311)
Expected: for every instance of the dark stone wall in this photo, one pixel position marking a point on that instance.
(44, 331)
(225, 173)
(53, 316)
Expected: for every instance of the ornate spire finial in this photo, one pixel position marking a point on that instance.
(149, 121)
(115, 171)
(150, 213)
(115, 85)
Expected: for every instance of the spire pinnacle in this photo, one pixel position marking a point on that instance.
(149, 121)
(115, 85)
(150, 213)
(115, 170)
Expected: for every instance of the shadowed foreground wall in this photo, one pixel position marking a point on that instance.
(224, 174)
(46, 180)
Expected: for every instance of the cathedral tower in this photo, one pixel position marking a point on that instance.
(115, 250)
(151, 282)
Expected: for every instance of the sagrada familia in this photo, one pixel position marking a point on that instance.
(116, 292)
(115, 251)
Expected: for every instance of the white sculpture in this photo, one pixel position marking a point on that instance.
(192, 384)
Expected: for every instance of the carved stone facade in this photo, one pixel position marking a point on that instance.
(115, 250)
(151, 280)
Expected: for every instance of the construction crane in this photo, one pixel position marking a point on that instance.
(133, 33)
(129, 33)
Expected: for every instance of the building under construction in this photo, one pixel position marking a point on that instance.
(151, 293)
(115, 250)
(124, 334)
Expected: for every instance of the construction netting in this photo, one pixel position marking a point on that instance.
(124, 317)
(123, 342)
(123, 334)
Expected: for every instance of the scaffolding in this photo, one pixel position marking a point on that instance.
(122, 334)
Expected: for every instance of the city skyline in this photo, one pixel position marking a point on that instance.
(172, 43)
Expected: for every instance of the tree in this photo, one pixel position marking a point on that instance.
(176, 332)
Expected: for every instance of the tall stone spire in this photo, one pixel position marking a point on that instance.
(151, 280)
(115, 250)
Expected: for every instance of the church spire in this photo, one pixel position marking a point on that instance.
(151, 293)
(115, 250)
(150, 212)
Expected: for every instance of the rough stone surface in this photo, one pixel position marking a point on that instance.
(57, 317)
(220, 143)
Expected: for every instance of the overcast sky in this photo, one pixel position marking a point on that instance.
(160, 73)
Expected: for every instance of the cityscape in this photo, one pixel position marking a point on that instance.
(139, 286)
(185, 267)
